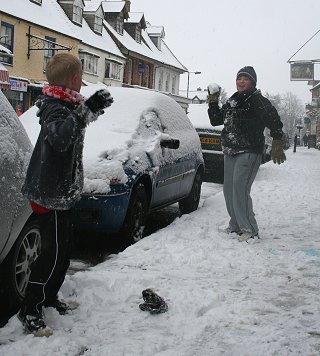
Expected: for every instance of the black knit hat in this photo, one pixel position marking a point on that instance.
(248, 72)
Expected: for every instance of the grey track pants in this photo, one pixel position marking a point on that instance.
(239, 173)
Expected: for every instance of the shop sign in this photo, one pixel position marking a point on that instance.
(18, 85)
(301, 71)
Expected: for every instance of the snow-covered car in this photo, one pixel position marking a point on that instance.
(19, 229)
(210, 138)
(142, 154)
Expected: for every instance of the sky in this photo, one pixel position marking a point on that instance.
(218, 38)
(224, 297)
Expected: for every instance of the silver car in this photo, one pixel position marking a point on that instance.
(19, 228)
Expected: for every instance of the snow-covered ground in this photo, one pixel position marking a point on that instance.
(225, 297)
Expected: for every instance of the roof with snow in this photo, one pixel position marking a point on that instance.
(92, 5)
(317, 86)
(136, 17)
(156, 31)
(164, 56)
(50, 15)
(113, 6)
(103, 42)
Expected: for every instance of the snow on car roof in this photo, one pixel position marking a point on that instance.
(14, 141)
(198, 115)
(114, 134)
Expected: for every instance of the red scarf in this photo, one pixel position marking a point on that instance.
(63, 93)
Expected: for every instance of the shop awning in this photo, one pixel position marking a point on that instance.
(4, 78)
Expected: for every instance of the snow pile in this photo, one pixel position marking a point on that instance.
(224, 297)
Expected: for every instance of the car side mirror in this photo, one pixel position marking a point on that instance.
(170, 143)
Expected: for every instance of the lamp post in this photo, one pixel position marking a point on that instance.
(189, 81)
(299, 126)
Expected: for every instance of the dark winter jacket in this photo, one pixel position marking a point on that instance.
(245, 116)
(55, 174)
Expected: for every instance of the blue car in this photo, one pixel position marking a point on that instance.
(142, 154)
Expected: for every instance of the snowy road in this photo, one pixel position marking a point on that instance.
(224, 297)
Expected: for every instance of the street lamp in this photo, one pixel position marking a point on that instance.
(189, 81)
(299, 126)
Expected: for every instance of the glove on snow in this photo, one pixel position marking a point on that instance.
(99, 100)
(277, 152)
(214, 91)
(153, 303)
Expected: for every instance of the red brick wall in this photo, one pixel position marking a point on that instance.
(138, 79)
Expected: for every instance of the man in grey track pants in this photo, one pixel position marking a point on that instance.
(245, 116)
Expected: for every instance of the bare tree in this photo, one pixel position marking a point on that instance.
(290, 109)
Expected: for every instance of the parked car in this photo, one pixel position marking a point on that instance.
(19, 229)
(142, 154)
(210, 138)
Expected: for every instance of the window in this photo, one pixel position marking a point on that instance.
(113, 70)
(130, 71)
(160, 82)
(173, 87)
(119, 24)
(39, 2)
(145, 77)
(77, 14)
(98, 24)
(89, 62)
(167, 83)
(138, 34)
(6, 40)
(49, 51)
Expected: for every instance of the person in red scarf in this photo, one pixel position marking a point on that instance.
(54, 182)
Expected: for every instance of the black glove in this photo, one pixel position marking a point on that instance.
(99, 100)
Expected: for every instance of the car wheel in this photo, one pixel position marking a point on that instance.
(191, 202)
(135, 221)
(17, 268)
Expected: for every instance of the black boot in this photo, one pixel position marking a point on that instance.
(34, 324)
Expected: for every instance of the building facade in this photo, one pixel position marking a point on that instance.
(115, 46)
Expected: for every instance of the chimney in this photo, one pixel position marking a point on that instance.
(128, 5)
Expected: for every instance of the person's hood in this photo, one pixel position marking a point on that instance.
(44, 103)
